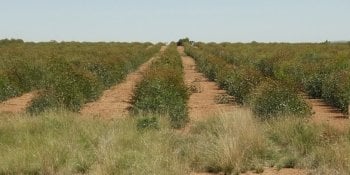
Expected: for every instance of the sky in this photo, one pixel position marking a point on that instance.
(169, 20)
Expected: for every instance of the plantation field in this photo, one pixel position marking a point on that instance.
(66, 74)
(142, 108)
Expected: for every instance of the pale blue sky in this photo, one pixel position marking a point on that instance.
(168, 20)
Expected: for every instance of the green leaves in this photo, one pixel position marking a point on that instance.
(273, 99)
(67, 74)
(336, 90)
(162, 90)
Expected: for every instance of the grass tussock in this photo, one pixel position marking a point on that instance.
(65, 143)
(232, 143)
(297, 143)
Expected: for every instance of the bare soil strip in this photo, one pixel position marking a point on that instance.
(284, 171)
(326, 114)
(203, 102)
(17, 104)
(115, 102)
(267, 171)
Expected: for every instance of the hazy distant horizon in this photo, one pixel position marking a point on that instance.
(155, 42)
(164, 20)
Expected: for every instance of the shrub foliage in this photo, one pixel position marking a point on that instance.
(163, 90)
(66, 74)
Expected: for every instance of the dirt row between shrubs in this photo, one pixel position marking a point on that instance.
(205, 94)
(267, 171)
(116, 101)
(322, 113)
(17, 104)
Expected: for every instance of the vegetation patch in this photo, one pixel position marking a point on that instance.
(162, 91)
(67, 74)
(272, 99)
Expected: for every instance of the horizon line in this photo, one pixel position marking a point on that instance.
(145, 41)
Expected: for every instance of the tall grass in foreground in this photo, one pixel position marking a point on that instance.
(231, 143)
(65, 143)
(237, 142)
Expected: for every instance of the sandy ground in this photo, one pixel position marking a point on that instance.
(202, 102)
(284, 171)
(267, 171)
(17, 104)
(116, 101)
(325, 114)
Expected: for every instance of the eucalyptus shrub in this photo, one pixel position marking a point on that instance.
(162, 91)
(336, 90)
(313, 84)
(273, 99)
(239, 82)
(66, 74)
(7, 88)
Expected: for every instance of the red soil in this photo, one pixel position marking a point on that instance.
(267, 171)
(203, 101)
(326, 114)
(17, 104)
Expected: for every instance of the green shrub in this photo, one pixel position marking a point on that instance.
(239, 82)
(162, 90)
(106, 73)
(273, 99)
(67, 86)
(27, 76)
(313, 84)
(336, 90)
(266, 67)
(44, 101)
(7, 89)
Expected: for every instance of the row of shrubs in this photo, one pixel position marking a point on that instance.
(321, 70)
(162, 91)
(67, 75)
(267, 97)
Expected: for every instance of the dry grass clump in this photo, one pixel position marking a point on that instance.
(65, 143)
(298, 143)
(231, 143)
